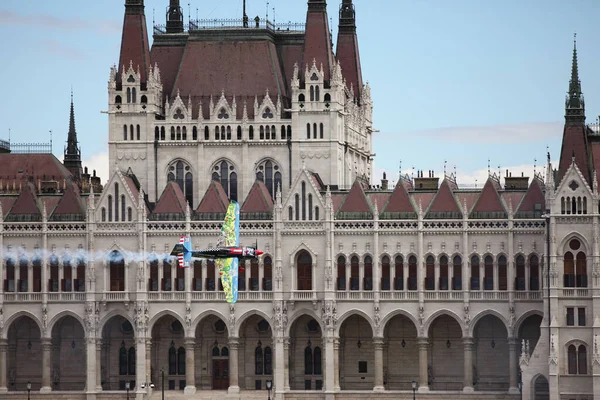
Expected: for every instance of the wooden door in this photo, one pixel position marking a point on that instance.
(220, 374)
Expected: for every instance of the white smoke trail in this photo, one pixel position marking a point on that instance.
(19, 253)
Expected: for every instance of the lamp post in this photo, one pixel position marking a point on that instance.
(127, 388)
(414, 388)
(269, 386)
(28, 389)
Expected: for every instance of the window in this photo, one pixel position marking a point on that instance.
(341, 273)
(268, 361)
(577, 360)
(239, 133)
(206, 133)
(318, 370)
(194, 133)
(304, 271)
(116, 202)
(172, 359)
(224, 172)
(138, 132)
(181, 361)
(429, 273)
(269, 173)
(443, 268)
(368, 273)
(475, 284)
(162, 133)
(570, 316)
(181, 173)
(581, 316)
(124, 132)
(258, 359)
(457, 274)
(117, 271)
(122, 359)
(103, 214)
(308, 360)
(307, 132)
(267, 274)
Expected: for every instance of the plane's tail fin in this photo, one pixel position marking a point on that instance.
(183, 251)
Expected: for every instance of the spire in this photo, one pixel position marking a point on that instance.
(347, 48)
(72, 159)
(174, 17)
(135, 49)
(317, 43)
(575, 106)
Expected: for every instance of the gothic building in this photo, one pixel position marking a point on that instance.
(364, 290)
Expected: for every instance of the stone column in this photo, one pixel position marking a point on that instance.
(468, 355)
(234, 344)
(140, 361)
(46, 378)
(513, 367)
(423, 344)
(378, 346)
(329, 361)
(190, 369)
(91, 372)
(280, 365)
(286, 363)
(3, 365)
(98, 365)
(336, 361)
(149, 360)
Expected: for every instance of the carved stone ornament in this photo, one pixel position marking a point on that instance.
(280, 316)
(1, 321)
(44, 318)
(421, 316)
(511, 317)
(231, 317)
(329, 314)
(525, 356)
(140, 274)
(596, 355)
(140, 316)
(376, 315)
(188, 316)
(553, 357)
(467, 317)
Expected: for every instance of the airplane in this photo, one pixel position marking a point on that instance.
(227, 252)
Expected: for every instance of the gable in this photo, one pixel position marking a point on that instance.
(258, 203)
(488, 204)
(119, 187)
(214, 202)
(443, 205)
(25, 207)
(399, 205)
(306, 190)
(69, 207)
(171, 201)
(533, 204)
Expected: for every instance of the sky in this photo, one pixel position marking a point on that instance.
(454, 83)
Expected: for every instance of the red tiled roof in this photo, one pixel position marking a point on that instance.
(379, 198)
(317, 44)
(245, 68)
(489, 201)
(21, 167)
(534, 196)
(444, 200)
(290, 54)
(469, 197)
(356, 201)
(514, 197)
(574, 143)
(424, 197)
(399, 201)
(596, 159)
(349, 58)
(50, 202)
(172, 200)
(7, 203)
(215, 199)
(134, 45)
(168, 59)
(26, 203)
(68, 203)
(258, 199)
(337, 199)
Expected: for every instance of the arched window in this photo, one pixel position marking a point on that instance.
(310, 207)
(206, 133)
(181, 361)
(110, 206)
(321, 130)
(502, 273)
(251, 133)
(301, 98)
(457, 273)
(581, 270)
(282, 132)
(262, 132)
(172, 133)
(162, 133)
(124, 132)
(267, 274)
(585, 205)
(385, 273)
(562, 205)
(307, 131)
(303, 201)
(133, 97)
(317, 96)
(223, 133)
(308, 361)
(318, 370)
(581, 360)
(399, 273)
(290, 213)
(443, 281)
(269, 173)
(312, 93)
(217, 135)
(316, 213)
(180, 172)
(122, 359)
(144, 99)
(327, 98)
(224, 172)
(239, 133)
(569, 269)
(475, 283)
(354, 273)
(412, 273)
(118, 99)
(117, 271)
(429, 273)
(297, 206)
(138, 132)
(128, 95)
(172, 359)
(156, 133)
(224, 352)
(258, 360)
(315, 130)
(129, 214)
(123, 207)
(488, 273)
(341, 273)
(289, 132)
(572, 360)
(368, 274)
(103, 214)
(194, 133)
(228, 132)
(131, 360)
(520, 279)
(116, 202)
(304, 271)
(268, 361)
(534, 272)
(268, 132)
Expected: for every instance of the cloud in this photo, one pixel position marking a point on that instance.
(99, 163)
(516, 133)
(46, 21)
(57, 48)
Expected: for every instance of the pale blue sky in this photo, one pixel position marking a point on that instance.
(461, 80)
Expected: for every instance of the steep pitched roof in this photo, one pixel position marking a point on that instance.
(488, 204)
(258, 200)
(171, 201)
(574, 144)
(68, 204)
(444, 203)
(134, 42)
(215, 199)
(21, 167)
(168, 58)
(533, 203)
(317, 45)
(347, 48)
(399, 204)
(356, 201)
(26, 203)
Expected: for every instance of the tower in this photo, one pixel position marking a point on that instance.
(72, 160)
(317, 45)
(347, 48)
(174, 17)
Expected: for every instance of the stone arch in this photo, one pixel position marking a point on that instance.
(440, 255)
(392, 314)
(219, 160)
(66, 313)
(298, 314)
(246, 316)
(205, 314)
(439, 313)
(115, 248)
(533, 385)
(385, 253)
(348, 314)
(524, 317)
(68, 352)
(156, 317)
(16, 316)
(562, 248)
(175, 160)
(111, 314)
(484, 313)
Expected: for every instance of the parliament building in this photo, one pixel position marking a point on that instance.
(366, 289)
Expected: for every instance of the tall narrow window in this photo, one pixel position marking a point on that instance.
(318, 370)
(184, 133)
(239, 133)
(181, 361)
(303, 201)
(572, 360)
(138, 132)
(110, 207)
(131, 360)
(123, 215)
(268, 361)
(172, 359)
(124, 132)
(534, 273)
(310, 208)
(321, 131)
(520, 278)
(122, 359)
(131, 131)
(162, 133)
(488, 273)
(258, 360)
(582, 360)
(206, 133)
(225, 173)
(133, 96)
(128, 95)
(443, 278)
(368, 273)
(308, 361)
(502, 273)
(312, 93)
(457, 273)
(307, 132)
(317, 97)
(194, 133)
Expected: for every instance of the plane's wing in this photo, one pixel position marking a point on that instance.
(230, 231)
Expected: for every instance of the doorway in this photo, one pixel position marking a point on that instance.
(220, 374)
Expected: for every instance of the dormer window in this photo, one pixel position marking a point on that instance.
(267, 114)
(223, 114)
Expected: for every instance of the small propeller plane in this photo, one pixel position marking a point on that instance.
(226, 253)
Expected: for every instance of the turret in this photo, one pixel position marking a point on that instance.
(174, 17)
(135, 51)
(347, 48)
(317, 44)
(72, 159)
